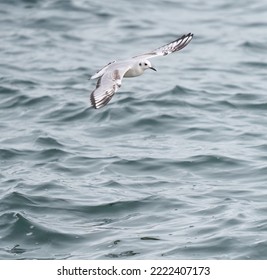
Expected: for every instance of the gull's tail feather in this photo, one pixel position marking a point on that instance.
(102, 71)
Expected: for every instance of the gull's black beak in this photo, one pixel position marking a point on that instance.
(153, 68)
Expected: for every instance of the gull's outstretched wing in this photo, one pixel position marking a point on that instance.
(108, 84)
(174, 46)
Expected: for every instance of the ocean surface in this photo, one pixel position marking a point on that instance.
(174, 167)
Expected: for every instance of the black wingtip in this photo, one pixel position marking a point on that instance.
(93, 103)
(188, 35)
(183, 41)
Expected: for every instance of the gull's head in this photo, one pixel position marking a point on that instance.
(146, 64)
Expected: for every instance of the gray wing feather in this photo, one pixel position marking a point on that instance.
(107, 85)
(173, 46)
(103, 93)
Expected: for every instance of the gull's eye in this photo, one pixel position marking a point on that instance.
(145, 64)
(140, 64)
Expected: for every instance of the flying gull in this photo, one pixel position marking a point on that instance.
(110, 76)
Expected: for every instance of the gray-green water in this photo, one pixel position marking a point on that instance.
(175, 167)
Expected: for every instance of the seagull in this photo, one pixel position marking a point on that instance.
(110, 76)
